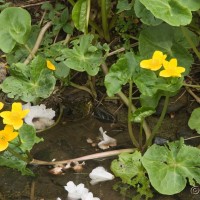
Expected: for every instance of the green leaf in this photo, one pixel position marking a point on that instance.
(119, 74)
(194, 121)
(81, 58)
(168, 40)
(28, 137)
(145, 15)
(62, 71)
(8, 160)
(141, 113)
(124, 5)
(174, 12)
(79, 15)
(129, 168)
(16, 23)
(170, 166)
(40, 83)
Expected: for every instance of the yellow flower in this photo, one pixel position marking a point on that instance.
(155, 63)
(1, 105)
(7, 135)
(14, 117)
(171, 69)
(50, 65)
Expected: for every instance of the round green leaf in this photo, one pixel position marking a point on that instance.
(174, 12)
(16, 23)
(145, 15)
(194, 121)
(167, 39)
(169, 167)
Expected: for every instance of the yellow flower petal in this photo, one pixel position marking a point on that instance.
(6, 135)
(155, 63)
(9, 134)
(171, 69)
(50, 65)
(3, 144)
(17, 107)
(1, 105)
(15, 116)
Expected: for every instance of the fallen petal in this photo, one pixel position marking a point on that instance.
(99, 174)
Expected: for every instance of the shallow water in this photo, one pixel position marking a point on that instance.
(68, 140)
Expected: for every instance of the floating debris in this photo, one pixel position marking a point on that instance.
(99, 174)
(106, 140)
(39, 116)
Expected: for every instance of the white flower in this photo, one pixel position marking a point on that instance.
(107, 141)
(89, 196)
(75, 192)
(99, 174)
(58, 198)
(42, 115)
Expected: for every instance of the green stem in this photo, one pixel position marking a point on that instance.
(157, 126)
(189, 85)
(92, 89)
(80, 87)
(104, 19)
(71, 2)
(17, 155)
(140, 136)
(190, 42)
(133, 108)
(29, 50)
(130, 129)
(87, 16)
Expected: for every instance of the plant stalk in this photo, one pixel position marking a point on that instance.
(157, 126)
(130, 129)
(104, 19)
(190, 42)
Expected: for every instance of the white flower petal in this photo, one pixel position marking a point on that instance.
(43, 114)
(99, 174)
(89, 196)
(75, 192)
(107, 140)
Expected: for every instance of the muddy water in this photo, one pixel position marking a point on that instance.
(68, 140)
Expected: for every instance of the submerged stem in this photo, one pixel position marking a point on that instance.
(83, 158)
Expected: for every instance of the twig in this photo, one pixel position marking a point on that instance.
(38, 42)
(120, 50)
(34, 4)
(193, 95)
(83, 158)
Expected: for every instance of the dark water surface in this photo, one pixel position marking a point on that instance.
(68, 140)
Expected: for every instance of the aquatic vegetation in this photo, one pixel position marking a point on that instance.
(160, 45)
